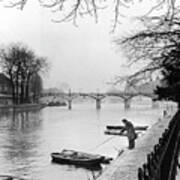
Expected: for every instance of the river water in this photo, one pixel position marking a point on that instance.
(28, 138)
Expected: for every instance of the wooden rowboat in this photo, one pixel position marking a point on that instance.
(78, 158)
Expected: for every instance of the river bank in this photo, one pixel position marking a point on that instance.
(126, 166)
(21, 107)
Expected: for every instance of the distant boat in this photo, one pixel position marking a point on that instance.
(9, 177)
(56, 104)
(138, 128)
(120, 132)
(78, 158)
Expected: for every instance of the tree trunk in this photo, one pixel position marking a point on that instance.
(27, 89)
(18, 86)
(16, 92)
(27, 92)
(13, 87)
(13, 93)
(22, 92)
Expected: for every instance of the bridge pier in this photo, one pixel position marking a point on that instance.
(98, 104)
(97, 97)
(127, 103)
(69, 104)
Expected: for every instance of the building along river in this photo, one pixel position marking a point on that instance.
(28, 138)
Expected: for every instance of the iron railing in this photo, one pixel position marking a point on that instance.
(162, 161)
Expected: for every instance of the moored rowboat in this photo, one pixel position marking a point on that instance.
(78, 158)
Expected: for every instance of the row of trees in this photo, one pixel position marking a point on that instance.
(23, 67)
(157, 45)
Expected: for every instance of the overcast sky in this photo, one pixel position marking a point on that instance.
(83, 57)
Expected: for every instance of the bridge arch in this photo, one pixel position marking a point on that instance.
(127, 97)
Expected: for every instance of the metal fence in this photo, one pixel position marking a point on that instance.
(162, 161)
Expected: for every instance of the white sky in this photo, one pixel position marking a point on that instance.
(83, 57)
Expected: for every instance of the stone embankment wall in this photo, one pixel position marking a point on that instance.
(20, 107)
(125, 167)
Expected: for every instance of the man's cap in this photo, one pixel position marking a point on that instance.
(124, 120)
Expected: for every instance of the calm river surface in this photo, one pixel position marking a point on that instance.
(28, 138)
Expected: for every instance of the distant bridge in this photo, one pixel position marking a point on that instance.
(146, 90)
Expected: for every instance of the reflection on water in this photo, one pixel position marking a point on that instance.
(28, 138)
(19, 141)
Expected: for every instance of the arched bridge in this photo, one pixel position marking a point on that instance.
(126, 95)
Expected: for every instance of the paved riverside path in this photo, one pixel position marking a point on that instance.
(125, 167)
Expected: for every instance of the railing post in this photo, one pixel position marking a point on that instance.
(140, 174)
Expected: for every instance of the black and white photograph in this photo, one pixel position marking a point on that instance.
(89, 90)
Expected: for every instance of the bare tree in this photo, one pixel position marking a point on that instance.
(157, 46)
(10, 65)
(72, 10)
(36, 86)
(159, 20)
(153, 45)
(20, 63)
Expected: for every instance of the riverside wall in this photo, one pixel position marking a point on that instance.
(125, 167)
(20, 107)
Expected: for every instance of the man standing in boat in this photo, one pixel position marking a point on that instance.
(131, 134)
